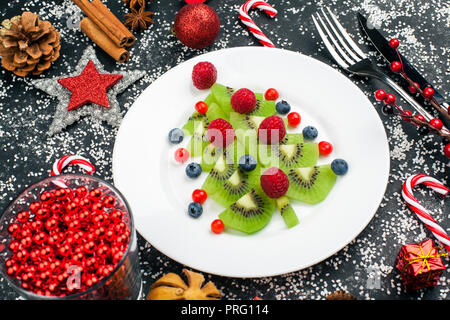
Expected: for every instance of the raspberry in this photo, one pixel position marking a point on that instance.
(243, 101)
(221, 133)
(204, 75)
(271, 129)
(274, 182)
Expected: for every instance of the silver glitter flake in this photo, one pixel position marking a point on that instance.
(64, 118)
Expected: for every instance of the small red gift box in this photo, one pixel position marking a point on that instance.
(420, 264)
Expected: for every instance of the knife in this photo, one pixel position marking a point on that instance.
(382, 46)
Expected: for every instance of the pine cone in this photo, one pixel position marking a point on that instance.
(28, 45)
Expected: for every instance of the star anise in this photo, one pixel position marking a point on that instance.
(139, 19)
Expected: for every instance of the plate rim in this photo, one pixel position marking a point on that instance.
(318, 259)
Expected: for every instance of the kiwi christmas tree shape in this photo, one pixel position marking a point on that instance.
(250, 204)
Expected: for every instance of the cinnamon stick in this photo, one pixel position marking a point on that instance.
(101, 16)
(97, 35)
(131, 39)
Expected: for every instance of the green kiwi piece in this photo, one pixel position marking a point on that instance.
(292, 138)
(236, 186)
(193, 121)
(287, 212)
(220, 172)
(264, 108)
(222, 95)
(250, 213)
(209, 157)
(267, 153)
(199, 139)
(287, 156)
(310, 185)
(209, 99)
(214, 112)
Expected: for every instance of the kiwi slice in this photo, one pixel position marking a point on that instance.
(250, 213)
(287, 156)
(222, 95)
(209, 157)
(199, 139)
(287, 212)
(236, 186)
(193, 121)
(221, 172)
(214, 112)
(264, 108)
(312, 184)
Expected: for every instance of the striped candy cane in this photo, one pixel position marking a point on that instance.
(63, 162)
(422, 213)
(245, 18)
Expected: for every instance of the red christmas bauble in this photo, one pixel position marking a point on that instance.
(196, 25)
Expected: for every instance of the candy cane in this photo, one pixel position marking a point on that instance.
(422, 213)
(245, 18)
(63, 162)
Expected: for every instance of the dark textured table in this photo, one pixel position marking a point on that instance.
(365, 266)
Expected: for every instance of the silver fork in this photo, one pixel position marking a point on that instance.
(350, 57)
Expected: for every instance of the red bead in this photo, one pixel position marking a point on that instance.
(81, 191)
(42, 213)
(412, 88)
(14, 245)
(199, 195)
(394, 43)
(420, 117)
(447, 150)
(217, 226)
(46, 197)
(271, 94)
(97, 206)
(181, 155)
(95, 194)
(26, 242)
(13, 228)
(396, 66)
(34, 206)
(389, 99)
(294, 119)
(55, 208)
(428, 93)
(71, 207)
(117, 215)
(109, 201)
(408, 113)
(201, 107)
(436, 123)
(325, 148)
(85, 203)
(380, 95)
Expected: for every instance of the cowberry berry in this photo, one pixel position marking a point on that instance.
(294, 119)
(380, 95)
(271, 94)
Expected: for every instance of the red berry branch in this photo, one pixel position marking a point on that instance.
(427, 92)
(434, 125)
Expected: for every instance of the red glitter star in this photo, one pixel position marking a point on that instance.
(89, 87)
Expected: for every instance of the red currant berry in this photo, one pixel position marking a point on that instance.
(271, 94)
(420, 117)
(199, 195)
(436, 123)
(181, 155)
(217, 226)
(396, 66)
(412, 88)
(428, 93)
(201, 107)
(325, 148)
(389, 99)
(294, 119)
(447, 150)
(407, 113)
(380, 95)
(394, 43)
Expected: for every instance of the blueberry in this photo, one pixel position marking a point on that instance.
(247, 163)
(339, 167)
(176, 136)
(195, 209)
(310, 133)
(283, 107)
(193, 170)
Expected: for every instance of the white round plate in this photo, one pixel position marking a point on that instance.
(159, 191)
